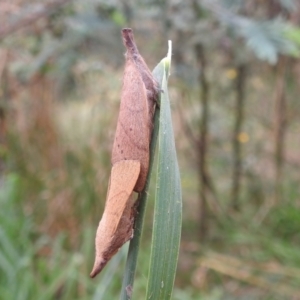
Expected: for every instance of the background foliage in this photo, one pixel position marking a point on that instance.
(234, 91)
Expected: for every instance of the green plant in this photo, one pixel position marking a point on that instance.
(168, 206)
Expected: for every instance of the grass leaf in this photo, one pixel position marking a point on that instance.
(160, 72)
(168, 204)
(133, 250)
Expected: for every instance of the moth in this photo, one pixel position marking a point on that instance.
(130, 154)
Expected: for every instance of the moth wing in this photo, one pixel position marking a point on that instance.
(132, 137)
(115, 227)
(124, 175)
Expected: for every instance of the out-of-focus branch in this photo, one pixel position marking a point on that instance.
(38, 12)
(236, 144)
(280, 123)
(203, 83)
(186, 126)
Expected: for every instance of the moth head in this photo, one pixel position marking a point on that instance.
(128, 41)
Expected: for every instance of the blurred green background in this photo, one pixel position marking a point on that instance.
(234, 89)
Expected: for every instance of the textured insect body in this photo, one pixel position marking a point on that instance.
(130, 154)
(139, 92)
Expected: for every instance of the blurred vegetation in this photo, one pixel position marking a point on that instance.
(234, 90)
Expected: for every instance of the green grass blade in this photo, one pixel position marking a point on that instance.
(168, 205)
(133, 250)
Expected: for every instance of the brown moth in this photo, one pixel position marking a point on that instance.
(130, 154)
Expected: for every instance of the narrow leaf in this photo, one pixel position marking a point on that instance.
(168, 204)
(130, 268)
